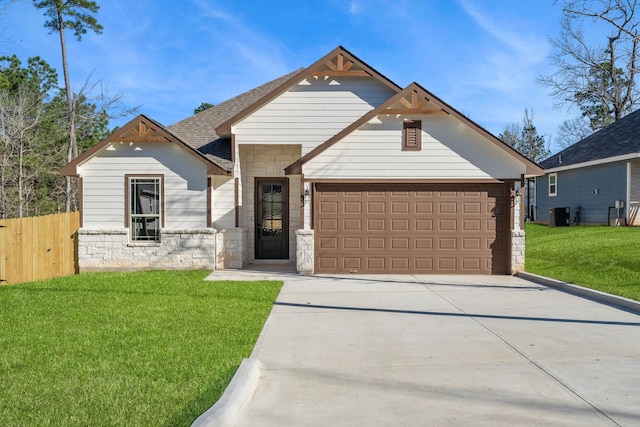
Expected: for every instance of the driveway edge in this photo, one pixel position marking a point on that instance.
(581, 291)
(240, 390)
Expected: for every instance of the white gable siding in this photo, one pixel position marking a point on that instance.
(223, 213)
(450, 150)
(312, 112)
(185, 184)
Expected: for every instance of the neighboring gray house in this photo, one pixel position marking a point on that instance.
(600, 174)
(333, 168)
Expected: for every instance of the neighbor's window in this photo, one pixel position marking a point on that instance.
(145, 204)
(553, 184)
(412, 135)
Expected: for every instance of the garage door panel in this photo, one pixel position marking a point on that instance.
(471, 264)
(445, 225)
(423, 243)
(447, 265)
(352, 243)
(376, 243)
(400, 263)
(352, 263)
(329, 224)
(448, 208)
(376, 264)
(401, 243)
(352, 207)
(328, 207)
(423, 207)
(328, 263)
(328, 243)
(376, 225)
(423, 225)
(376, 207)
(400, 207)
(471, 243)
(399, 225)
(471, 225)
(447, 243)
(419, 228)
(352, 224)
(422, 265)
(472, 208)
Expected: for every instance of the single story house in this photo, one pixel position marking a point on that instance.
(599, 174)
(333, 167)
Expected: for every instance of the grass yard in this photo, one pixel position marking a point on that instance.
(597, 257)
(136, 349)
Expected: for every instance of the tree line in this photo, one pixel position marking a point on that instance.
(44, 126)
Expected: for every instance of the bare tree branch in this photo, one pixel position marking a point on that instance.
(598, 80)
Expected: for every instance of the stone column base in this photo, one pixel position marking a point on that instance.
(233, 248)
(305, 251)
(517, 250)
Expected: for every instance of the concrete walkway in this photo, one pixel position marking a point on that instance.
(440, 350)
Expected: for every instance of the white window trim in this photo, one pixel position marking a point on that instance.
(555, 185)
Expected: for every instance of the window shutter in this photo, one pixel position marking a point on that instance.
(412, 136)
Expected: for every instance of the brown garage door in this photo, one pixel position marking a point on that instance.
(411, 228)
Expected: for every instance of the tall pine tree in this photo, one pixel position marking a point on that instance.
(78, 16)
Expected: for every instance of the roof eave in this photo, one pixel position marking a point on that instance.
(596, 162)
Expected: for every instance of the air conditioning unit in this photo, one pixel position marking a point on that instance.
(558, 217)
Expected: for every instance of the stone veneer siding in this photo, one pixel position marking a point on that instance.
(517, 250)
(232, 248)
(110, 249)
(268, 161)
(305, 251)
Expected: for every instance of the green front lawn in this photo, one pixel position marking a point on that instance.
(135, 349)
(597, 257)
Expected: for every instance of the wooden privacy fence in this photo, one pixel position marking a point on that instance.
(38, 247)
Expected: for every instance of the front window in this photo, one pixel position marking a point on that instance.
(553, 184)
(145, 203)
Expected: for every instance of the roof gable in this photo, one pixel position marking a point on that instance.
(337, 63)
(410, 101)
(620, 138)
(143, 130)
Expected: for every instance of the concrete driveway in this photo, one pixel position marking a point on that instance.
(442, 350)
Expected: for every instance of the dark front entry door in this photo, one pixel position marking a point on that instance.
(272, 235)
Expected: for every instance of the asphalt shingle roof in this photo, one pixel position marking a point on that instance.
(199, 130)
(619, 138)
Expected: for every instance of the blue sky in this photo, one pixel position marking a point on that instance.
(480, 56)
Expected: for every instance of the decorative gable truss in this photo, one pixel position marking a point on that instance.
(413, 103)
(141, 130)
(413, 100)
(340, 66)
